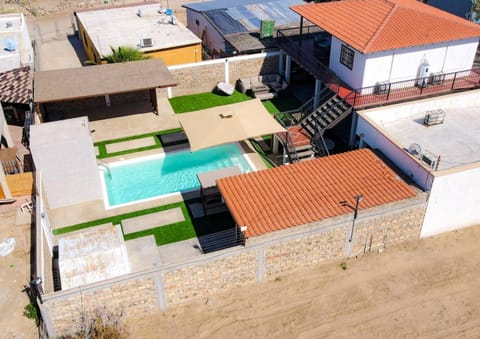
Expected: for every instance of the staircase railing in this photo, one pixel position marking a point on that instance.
(288, 143)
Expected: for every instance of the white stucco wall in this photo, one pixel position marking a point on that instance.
(213, 39)
(454, 197)
(403, 64)
(453, 203)
(377, 140)
(13, 26)
(351, 77)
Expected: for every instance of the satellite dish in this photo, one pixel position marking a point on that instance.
(414, 149)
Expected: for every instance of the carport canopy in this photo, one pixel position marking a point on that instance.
(98, 80)
(228, 123)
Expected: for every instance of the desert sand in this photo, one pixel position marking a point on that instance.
(426, 288)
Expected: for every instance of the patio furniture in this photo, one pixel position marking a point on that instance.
(209, 193)
(225, 88)
(274, 82)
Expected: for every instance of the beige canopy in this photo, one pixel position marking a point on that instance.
(229, 123)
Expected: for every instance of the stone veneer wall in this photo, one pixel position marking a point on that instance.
(263, 259)
(203, 77)
(199, 281)
(385, 230)
(131, 299)
(309, 250)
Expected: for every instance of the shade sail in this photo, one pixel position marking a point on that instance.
(229, 123)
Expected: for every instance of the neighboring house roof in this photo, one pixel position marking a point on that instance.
(123, 26)
(372, 26)
(287, 196)
(16, 86)
(232, 17)
(97, 80)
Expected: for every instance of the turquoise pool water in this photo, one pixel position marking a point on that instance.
(149, 177)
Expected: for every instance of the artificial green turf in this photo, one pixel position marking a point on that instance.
(282, 104)
(102, 145)
(195, 102)
(169, 233)
(163, 235)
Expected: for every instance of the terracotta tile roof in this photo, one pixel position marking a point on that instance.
(287, 196)
(379, 25)
(16, 86)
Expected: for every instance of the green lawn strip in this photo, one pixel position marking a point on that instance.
(116, 220)
(282, 104)
(269, 163)
(195, 102)
(102, 145)
(129, 151)
(167, 234)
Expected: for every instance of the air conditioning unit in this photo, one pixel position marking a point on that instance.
(437, 78)
(434, 117)
(382, 87)
(430, 159)
(147, 42)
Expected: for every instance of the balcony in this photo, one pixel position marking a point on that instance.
(435, 84)
(302, 45)
(309, 47)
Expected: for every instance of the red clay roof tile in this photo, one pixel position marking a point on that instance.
(372, 26)
(298, 194)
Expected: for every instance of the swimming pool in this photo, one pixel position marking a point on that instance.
(152, 176)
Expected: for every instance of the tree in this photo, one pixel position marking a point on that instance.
(124, 54)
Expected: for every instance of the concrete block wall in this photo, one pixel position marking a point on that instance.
(199, 281)
(388, 229)
(309, 250)
(197, 79)
(129, 299)
(203, 77)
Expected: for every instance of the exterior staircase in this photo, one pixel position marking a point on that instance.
(327, 116)
(306, 126)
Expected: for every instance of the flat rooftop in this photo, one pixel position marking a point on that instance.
(123, 26)
(456, 140)
(63, 152)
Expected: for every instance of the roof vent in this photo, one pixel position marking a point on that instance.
(8, 24)
(140, 13)
(147, 42)
(415, 150)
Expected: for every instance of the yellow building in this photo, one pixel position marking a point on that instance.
(147, 27)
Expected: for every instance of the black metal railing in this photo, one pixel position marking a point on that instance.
(436, 83)
(221, 240)
(299, 45)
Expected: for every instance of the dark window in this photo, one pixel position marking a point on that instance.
(197, 22)
(346, 56)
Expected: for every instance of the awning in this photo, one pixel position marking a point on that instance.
(229, 123)
(98, 80)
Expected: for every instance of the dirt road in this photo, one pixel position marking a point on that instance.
(428, 288)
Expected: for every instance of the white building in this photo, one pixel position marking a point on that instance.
(388, 41)
(233, 27)
(15, 45)
(436, 143)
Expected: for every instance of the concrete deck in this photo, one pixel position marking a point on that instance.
(152, 220)
(179, 251)
(130, 144)
(143, 253)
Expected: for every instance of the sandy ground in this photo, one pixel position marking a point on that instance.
(427, 288)
(14, 274)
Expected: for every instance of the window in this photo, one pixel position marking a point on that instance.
(346, 56)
